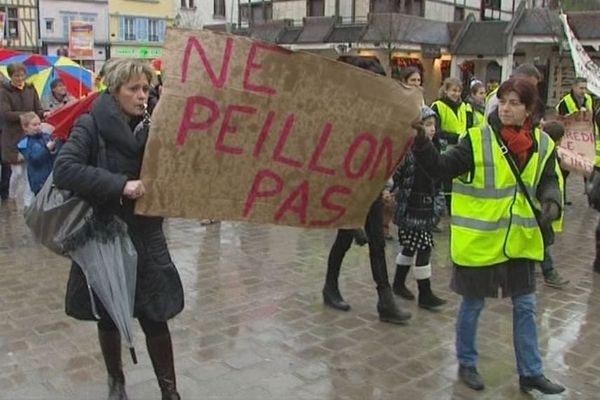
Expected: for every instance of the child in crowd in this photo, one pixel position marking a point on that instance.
(476, 105)
(37, 149)
(416, 215)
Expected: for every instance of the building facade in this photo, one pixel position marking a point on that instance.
(55, 19)
(137, 27)
(21, 25)
(200, 13)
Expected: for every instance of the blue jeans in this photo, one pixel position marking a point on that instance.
(525, 339)
(548, 263)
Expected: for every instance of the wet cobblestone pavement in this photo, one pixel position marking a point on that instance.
(254, 326)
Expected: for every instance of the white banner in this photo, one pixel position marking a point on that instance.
(584, 66)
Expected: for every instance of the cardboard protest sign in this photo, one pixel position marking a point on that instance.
(247, 130)
(579, 134)
(573, 162)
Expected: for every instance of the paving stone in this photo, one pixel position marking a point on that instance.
(255, 327)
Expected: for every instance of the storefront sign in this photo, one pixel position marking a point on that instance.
(136, 52)
(250, 131)
(81, 40)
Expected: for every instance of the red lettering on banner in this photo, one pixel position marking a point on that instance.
(296, 202)
(257, 191)
(193, 43)
(364, 137)
(571, 146)
(285, 133)
(188, 124)
(227, 128)
(387, 149)
(313, 165)
(264, 133)
(327, 204)
(251, 64)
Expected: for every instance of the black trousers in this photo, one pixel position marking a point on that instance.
(4, 177)
(343, 241)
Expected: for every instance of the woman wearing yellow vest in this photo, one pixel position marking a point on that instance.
(497, 236)
(452, 121)
(476, 105)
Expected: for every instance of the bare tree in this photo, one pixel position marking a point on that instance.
(391, 30)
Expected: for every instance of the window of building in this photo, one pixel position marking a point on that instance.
(128, 28)
(219, 8)
(13, 22)
(187, 4)
(153, 30)
(459, 14)
(49, 25)
(315, 8)
(258, 12)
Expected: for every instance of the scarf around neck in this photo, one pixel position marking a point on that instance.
(519, 141)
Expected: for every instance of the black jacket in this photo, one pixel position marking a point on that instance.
(159, 293)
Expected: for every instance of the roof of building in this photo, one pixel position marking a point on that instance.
(290, 34)
(347, 33)
(486, 38)
(316, 29)
(406, 29)
(269, 31)
(585, 25)
(539, 22)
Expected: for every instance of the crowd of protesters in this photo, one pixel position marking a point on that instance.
(488, 160)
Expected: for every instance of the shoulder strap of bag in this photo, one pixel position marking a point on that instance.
(516, 173)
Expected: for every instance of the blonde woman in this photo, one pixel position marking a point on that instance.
(117, 117)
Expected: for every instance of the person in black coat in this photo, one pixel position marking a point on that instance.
(373, 235)
(117, 116)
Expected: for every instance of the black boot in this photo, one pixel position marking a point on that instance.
(333, 298)
(387, 308)
(541, 384)
(399, 286)
(110, 343)
(160, 349)
(427, 299)
(470, 377)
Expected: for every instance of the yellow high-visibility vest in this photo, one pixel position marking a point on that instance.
(572, 105)
(451, 122)
(492, 222)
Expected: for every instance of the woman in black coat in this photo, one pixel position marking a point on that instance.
(117, 116)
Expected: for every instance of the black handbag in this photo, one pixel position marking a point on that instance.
(56, 216)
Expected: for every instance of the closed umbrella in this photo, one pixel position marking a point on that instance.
(107, 257)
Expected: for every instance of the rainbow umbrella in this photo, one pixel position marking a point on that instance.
(78, 80)
(34, 63)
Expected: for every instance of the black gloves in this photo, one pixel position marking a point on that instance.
(550, 212)
(360, 237)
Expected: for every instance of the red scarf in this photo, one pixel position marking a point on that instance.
(518, 141)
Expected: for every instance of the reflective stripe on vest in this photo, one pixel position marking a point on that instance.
(449, 121)
(572, 105)
(492, 221)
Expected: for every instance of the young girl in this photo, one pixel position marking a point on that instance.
(416, 215)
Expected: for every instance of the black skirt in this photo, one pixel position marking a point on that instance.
(511, 278)
(415, 239)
